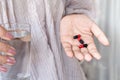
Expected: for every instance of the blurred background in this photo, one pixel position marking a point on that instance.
(108, 18)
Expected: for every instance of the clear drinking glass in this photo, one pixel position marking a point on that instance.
(21, 42)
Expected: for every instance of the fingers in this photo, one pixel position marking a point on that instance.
(99, 34)
(7, 49)
(4, 34)
(66, 43)
(82, 53)
(10, 60)
(7, 60)
(3, 59)
(86, 54)
(68, 49)
(77, 53)
(3, 69)
(93, 51)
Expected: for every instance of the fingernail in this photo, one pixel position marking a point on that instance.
(3, 69)
(88, 57)
(98, 57)
(11, 60)
(107, 43)
(12, 51)
(9, 35)
(104, 40)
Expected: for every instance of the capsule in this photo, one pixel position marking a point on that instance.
(86, 45)
(81, 41)
(77, 36)
(83, 45)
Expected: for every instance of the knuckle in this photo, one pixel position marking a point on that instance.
(67, 49)
(92, 46)
(92, 51)
(84, 50)
(77, 52)
(75, 48)
(2, 59)
(75, 42)
(4, 47)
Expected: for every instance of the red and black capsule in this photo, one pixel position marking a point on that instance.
(86, 45)
(76, 36)
(83, 45)
(81, 41)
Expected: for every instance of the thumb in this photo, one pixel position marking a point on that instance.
(99, 34)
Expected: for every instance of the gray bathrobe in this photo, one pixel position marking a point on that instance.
(48, 59)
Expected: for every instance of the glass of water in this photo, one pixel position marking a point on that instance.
(21, 42)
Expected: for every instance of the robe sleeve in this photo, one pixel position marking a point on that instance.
(86, 7)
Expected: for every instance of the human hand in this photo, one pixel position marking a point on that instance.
(75, 24)
(9, 50)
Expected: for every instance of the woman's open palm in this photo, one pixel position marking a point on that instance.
(75, 24)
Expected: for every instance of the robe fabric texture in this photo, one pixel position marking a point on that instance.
(48, 59)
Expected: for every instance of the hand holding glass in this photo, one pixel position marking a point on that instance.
(21, 42)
